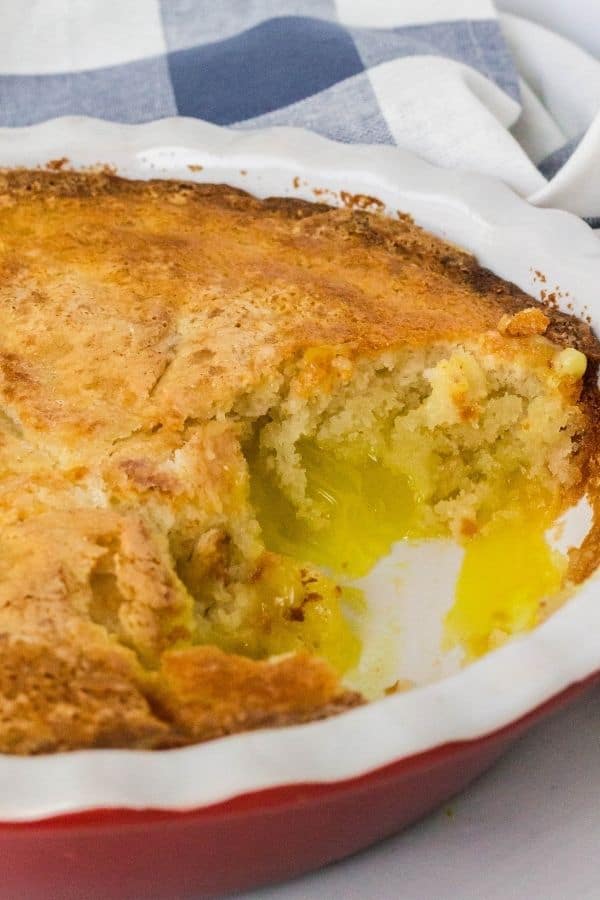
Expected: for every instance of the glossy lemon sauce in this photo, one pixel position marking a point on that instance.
(508, 568)
(363, 509)
(291, 610)
(506, 572)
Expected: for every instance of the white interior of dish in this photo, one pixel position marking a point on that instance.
(409, 593)
(403, 634)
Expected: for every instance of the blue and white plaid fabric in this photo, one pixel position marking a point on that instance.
(440, 77)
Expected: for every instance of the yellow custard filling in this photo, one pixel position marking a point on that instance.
(508, 568)
(288, 608)
(363, 508)
(506, 573)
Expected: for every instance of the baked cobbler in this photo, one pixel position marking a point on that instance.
(216, 413)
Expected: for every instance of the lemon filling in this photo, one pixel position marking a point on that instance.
(456, 444)
(508, 569)
(287, 607)
(506, 575)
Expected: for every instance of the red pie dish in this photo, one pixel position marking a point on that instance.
(421, 712)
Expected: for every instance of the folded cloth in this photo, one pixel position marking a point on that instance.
(450, 80)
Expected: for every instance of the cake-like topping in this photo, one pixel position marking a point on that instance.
(215, 412)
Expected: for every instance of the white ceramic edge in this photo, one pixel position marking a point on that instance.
(508, 235)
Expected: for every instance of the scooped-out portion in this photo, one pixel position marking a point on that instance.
(218, 415)
(456, 442)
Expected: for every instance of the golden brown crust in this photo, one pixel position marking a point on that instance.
(72, 698)
(140, 321)
(207, 693)
(527, 321)
(201, 292)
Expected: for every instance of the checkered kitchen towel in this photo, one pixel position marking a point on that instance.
(447, 79)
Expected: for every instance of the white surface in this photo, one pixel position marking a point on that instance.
(578, 20)
(43, 41)
(529, 828)
(508, 235)
(418, 91)
(561, 88)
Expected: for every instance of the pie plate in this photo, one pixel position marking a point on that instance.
(266, 805)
